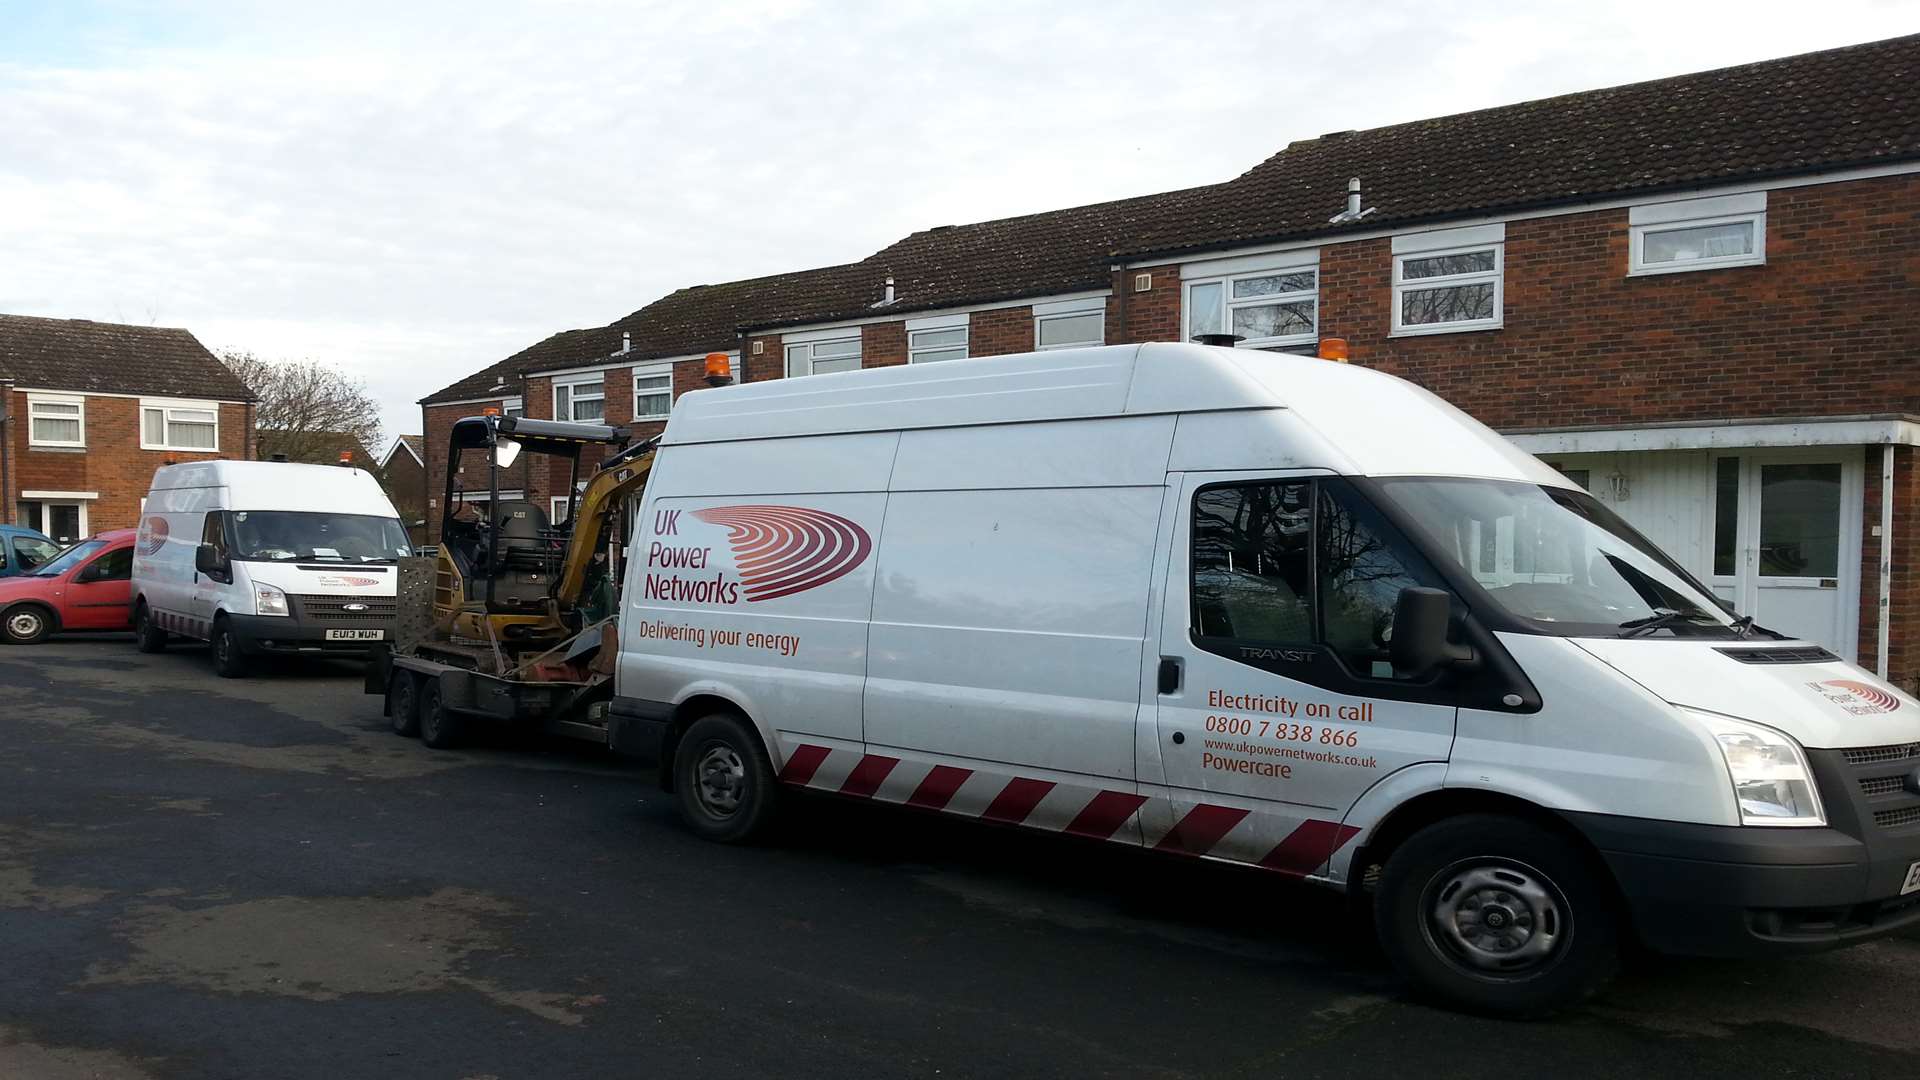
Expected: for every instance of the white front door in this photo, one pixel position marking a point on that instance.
(62, 521)
(1787, 541)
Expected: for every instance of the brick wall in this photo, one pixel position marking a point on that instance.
(1000, 331)
(436, 425)
(769, 364)
(112, 463)
(1153, 315)
(883, 344)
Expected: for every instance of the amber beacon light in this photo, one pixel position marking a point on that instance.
(1334, 348)
(719, 370)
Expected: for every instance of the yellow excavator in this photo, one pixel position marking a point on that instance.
(513, 618)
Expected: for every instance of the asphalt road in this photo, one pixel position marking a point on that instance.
(208, 878)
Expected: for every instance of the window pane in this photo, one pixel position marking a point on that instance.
(796, 361)
(190, 436)
(1274, 320)
(1726, 515)
(927, 339)
(646, 383)
(1470, 262)
(1203, 310)
(30, 552)
(924, 356)
(563, 402)
(55, 408)
(1252, 565)
(153, 426)
(114, 565)
(824, 349)
(1455, 303)
(1800, 520)
(652, 404)
(192, 416)
(1299, 281)
(1698, 242)
(1362, 570)
(45, 430)
(849, 363)
(1072, 329)
(588, 408)
(1578, 476)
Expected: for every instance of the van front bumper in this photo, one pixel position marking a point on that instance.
(1708, 890)
(284, 634)
(637, 728)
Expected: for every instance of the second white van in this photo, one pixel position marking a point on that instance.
(1260, 608)
(260, 557)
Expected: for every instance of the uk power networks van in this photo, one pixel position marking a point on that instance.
(266, 557)
(1266, 609)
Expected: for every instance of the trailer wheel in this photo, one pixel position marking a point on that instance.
(147, 637)
(723, 779)
(439, 727)
(403, 702)
(1497, 915)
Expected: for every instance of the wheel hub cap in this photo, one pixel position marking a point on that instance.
(1498, 918)
(24, 624)
(720, 780)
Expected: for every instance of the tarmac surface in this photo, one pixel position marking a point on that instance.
(254, 878)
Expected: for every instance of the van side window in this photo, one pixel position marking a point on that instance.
(1253, 562)
(1362, 566)
(215, 533)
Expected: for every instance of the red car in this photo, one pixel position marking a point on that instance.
(89, 586)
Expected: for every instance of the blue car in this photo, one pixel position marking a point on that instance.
(22, 549)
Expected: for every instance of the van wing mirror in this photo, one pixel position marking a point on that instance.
(208, 561)
(1419, 644)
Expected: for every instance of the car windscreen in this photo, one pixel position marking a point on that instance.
(31, 551)
(1558, 559)
(286, 535)
(68, 559)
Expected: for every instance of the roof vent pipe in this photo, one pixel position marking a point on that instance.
(1353, 212)
(889, 298)
(626, 342)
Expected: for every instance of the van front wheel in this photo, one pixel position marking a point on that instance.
(1497, 915)
(228, 661)
(724, 780)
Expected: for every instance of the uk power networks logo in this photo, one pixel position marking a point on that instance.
(343, 581)
(1858, 697)
(782, 550)
(153, 535)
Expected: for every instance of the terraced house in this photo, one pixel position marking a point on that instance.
(1697, 296)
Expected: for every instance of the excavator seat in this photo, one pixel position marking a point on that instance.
(525, 560)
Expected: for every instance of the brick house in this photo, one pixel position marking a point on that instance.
(1698, 296)
(89, 410)
(402, 471)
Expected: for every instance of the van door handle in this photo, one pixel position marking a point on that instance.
(1169, 675)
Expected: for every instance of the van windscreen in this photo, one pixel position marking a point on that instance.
(286, 535)
(1558, 559)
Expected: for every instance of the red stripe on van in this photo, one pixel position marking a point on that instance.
(937, 790)
(867, 776)
(1202, 828)
(1017, 800)
(1106, 813)
(1308, 847)
(803, 763)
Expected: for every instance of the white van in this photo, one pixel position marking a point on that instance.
(266, 557)
(1266, 609)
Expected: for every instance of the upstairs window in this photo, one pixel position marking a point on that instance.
(1277, 306)
(933, 343)
(1697, 234)
(56, 421)
(179, 425)
(652, 393)
(1448, 280)
(824, 356)
(1070, 324)
(581, 399)
(513, 407)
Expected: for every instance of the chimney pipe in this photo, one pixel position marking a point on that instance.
(626, 342)
(1353, 196)
(889, 298)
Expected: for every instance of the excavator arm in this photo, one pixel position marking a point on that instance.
(620, 477)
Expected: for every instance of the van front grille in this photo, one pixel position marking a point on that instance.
(1882, 785)
(1880, 755)
(1893, 819)
(379, 609)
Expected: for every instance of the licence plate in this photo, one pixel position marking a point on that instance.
(356, 635)
(1913, 880)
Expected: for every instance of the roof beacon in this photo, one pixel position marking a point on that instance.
(719, 369)
(1353, 212)
(1226, 340)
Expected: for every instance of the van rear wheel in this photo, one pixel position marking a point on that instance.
(147, 637)
(1497, 915)
(403, 703)
(723, 779)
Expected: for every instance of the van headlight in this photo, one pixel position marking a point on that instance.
(1771, 779)
(268, 600)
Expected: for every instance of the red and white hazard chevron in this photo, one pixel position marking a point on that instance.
(1280, 841)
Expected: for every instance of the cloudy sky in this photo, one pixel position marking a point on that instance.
(412, 190)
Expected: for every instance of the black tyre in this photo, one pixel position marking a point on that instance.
(724, 780)
(403, 702)
(228, 661)
(26, 624)
(439, 727)
(1498, 915)
(147, 637)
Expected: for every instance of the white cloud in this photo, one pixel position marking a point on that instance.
(413, 191)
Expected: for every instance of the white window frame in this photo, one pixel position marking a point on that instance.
(802, 347)
(555, 505)
(598, 380)
(1069, 309)
(652, 371)
(1296, 265)
(33, 438)
(513, 406)
(1748, 208)
(167, 407)
(939, 324)
(1442, 242)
